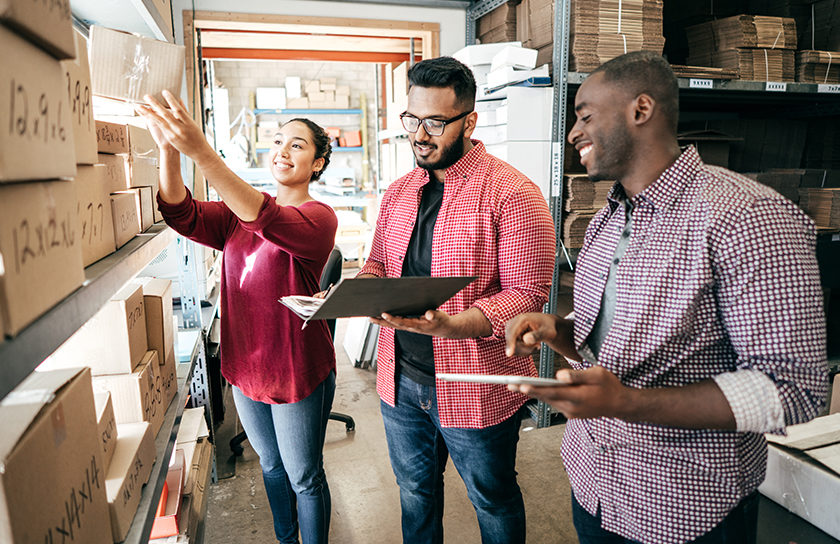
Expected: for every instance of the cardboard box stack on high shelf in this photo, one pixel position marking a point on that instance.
(499, 25)
(761, 48)
(39, 231)
(600, 30)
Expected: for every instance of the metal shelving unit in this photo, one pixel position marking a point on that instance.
(20, 355)
(797, 100)
(141, 527)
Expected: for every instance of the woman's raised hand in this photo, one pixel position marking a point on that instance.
(173, 126)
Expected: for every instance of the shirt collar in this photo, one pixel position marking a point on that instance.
(667, 186)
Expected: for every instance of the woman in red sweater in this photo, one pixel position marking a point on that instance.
(283, 376)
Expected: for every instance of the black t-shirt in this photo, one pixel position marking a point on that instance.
(414, 353)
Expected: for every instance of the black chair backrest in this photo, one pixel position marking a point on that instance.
(331, 275)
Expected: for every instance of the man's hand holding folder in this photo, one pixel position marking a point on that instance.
(383, 299)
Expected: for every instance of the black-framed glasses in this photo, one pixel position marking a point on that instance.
(433, 127)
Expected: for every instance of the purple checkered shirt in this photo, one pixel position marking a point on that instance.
(720, 275)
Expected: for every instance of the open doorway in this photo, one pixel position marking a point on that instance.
(249, 73)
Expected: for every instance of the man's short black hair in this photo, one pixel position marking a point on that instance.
(646, 72)
(445, 72)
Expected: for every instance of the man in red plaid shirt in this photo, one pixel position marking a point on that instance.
(461, 212)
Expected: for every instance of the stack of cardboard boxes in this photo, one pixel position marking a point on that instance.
(39, 232)
(128, 346)
(499, 25)
(761, 48)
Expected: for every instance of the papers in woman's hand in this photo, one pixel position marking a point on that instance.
(302, 305)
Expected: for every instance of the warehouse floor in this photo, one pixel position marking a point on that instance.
(365, 498)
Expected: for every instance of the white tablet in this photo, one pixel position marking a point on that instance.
(493, 378)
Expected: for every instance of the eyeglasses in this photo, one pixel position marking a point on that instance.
(433, 127)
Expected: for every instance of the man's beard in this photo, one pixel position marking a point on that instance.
(449, 156)
(616, 151)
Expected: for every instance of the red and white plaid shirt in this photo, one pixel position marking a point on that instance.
(720, 276)
(493, 223)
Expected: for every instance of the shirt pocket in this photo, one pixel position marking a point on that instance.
(467, 243)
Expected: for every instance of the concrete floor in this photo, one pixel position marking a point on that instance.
(365, 497)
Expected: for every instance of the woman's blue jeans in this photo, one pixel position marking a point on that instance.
(289, 439)
(485, 460)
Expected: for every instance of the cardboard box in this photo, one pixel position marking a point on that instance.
(130, 469)
(157, 301)
(112, 342)
(266, 130)
(106, 427)
(145, 205)
(312, 86)
(301, 103)
(168, 379)
(111, 137)
(152, 65)
(804, 486)
(116, 171)
(140, 140)
(201, 470)
(40, 248)
(93, 207)
(834, 407)
(803, 471)
(342, 102)
(166, 522)
(353, 138)
(47, 24)
(164, 8)
(317, 98)
(342, 90)
(144, 172)
(37, 139)
(77, 78)
(124, 208)
(49, 464)
(328, 83)
(137, 397)
(193, 428)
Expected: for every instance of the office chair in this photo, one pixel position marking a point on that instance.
(330, 275)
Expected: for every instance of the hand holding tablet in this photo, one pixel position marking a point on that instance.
(497, 379)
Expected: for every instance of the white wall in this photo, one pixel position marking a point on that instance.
(452, 21)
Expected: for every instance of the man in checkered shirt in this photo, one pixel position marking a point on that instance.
(698, 326)
(461, 212)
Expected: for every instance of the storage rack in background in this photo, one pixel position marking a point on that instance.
(698, 97)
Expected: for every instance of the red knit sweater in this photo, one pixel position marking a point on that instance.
(264, 351)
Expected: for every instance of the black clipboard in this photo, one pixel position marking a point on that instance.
(371, 297)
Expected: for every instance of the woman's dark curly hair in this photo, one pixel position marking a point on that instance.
(320, 139)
